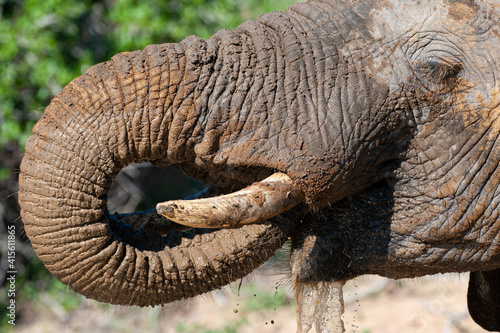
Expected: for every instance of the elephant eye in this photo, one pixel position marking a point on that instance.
(439, 75)
(440, 71)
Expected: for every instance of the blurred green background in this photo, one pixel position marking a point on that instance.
(43, 46)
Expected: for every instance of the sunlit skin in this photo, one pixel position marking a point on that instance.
(382, 117)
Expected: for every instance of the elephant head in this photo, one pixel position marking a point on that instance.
(377, 123)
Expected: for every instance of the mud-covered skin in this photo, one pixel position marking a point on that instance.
(436, 209)
(385, 114)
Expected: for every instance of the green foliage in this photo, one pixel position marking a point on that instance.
(4, 173)
(45, 44)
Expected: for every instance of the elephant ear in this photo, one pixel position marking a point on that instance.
(483, 299)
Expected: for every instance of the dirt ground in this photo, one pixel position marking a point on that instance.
(373, 304)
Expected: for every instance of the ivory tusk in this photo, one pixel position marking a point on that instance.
(255, 203)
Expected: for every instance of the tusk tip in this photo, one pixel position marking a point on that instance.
(164, 209)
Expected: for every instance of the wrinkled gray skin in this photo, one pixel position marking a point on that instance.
(384, 113)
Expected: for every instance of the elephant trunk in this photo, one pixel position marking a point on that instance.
(152, 105)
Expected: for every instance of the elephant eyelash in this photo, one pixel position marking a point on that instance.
(439, 71)
(439, 75)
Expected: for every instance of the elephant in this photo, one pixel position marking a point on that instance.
(363, 131)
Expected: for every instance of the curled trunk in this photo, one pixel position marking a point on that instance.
(150, 105)
(229, 111)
